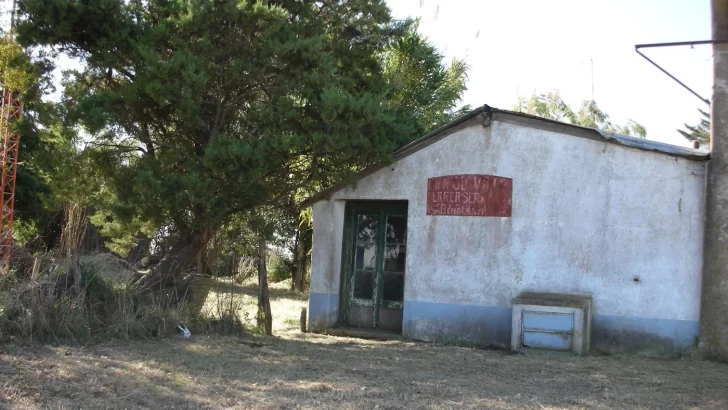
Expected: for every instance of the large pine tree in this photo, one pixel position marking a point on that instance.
(197, 110)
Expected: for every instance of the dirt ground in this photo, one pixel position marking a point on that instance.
(295, 370)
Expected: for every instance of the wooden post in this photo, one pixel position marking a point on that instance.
(76, 269)
(302, 259)
(303, 320)
(36, 269)
(296, 260)
(263, 297)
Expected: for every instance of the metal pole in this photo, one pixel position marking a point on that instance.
(714, 296)
(671, 76)
(673, 44)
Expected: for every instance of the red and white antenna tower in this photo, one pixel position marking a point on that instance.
(11, 111)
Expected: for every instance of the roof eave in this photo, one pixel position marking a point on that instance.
(494, 114)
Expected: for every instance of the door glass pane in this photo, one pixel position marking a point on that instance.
(394, 258)
(365, 255)
(366, 230)
(396, 249)
(364, 284)
(393, 286)
(396, 229)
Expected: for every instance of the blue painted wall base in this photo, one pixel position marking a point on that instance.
(485, 325)
(323, 311)
(617, 333)
(450, 323)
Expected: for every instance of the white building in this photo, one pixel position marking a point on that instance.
(438, 244)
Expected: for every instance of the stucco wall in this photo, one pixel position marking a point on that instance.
(589, 217)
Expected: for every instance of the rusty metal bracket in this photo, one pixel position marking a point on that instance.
(637, 48)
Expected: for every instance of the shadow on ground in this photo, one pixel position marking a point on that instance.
(314, 371)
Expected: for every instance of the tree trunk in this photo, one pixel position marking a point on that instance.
(303, 267)
(141, 249)
(167, 273)
(92, 239)
(203, 265)
(202, 268)
(296, 260)
(263, 299)
(306, 237)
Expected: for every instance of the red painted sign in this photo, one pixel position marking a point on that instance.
(469, 195)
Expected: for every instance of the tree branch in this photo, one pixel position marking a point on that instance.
(122, 148)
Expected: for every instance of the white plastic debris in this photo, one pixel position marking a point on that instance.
(182, 329)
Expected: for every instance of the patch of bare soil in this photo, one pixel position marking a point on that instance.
(326, 372)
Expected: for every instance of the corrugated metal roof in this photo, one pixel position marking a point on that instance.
(648, 145)
(488, 114)
(634, 142)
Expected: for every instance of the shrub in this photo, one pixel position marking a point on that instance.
(224, 265)
(109, 305)
(280, 267)
(247, 267)
(37, 314)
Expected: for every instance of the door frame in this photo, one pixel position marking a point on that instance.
(352, 208)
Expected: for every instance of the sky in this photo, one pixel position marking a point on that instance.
(521, 47)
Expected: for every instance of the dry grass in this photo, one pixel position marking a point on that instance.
(106, 304)
(286, 305)
(315, 371)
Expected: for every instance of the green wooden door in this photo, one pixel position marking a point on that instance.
(376, 246)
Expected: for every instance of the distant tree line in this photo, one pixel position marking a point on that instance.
(700, 132)
(552, 106)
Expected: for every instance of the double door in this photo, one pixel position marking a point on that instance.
(376, 249)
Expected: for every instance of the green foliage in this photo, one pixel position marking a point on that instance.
(422, 88)
(280, 266)
(196, 112)
(24, 231)
(17, 73)
(122, 232)
(552, 106)
(700, 132)
(40, 153)
(195, 108)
